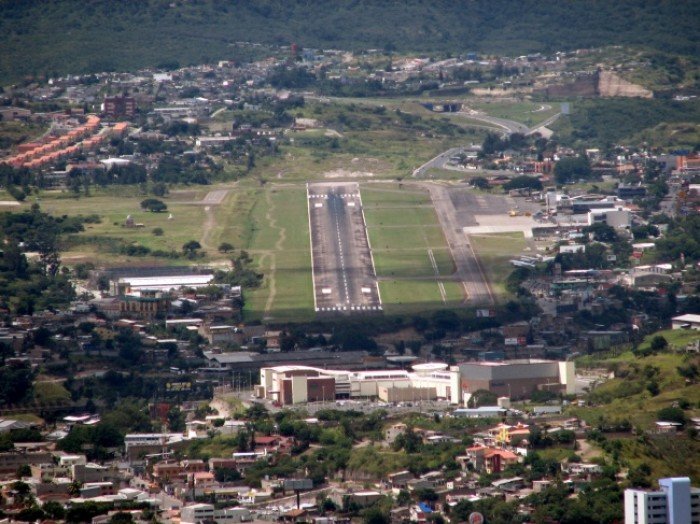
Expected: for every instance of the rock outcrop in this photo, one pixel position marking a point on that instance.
(611, 84)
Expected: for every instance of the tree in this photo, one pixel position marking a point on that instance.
(226, 474)
(483, 397)
(225, 247)
(479, 182)
(153, 205)
(658, 343)
(54, 510)
(24, 471)
(523, 182)
(121, 517)
(157, 231)
(176, 419)
(671, 414)
(191, 248)
(572, 169)
(601, 232)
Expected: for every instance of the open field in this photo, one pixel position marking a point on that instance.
(411, 255)
(279, 243)
(113, 207)
(363, 140)
(416, 296)
(393, 195)
(413, 263)
(494, 253)
(525, 112)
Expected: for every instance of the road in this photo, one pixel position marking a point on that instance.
(510, 126)
(468, 267)
(438, 162)
(343, 269)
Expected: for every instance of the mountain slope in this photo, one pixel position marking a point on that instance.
(39, 37)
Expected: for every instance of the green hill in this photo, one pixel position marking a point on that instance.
(643, 387)
(39, 37)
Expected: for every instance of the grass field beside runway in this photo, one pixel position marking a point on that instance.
(279, 243)
(495, 252)
(416, 296)
(404, 232)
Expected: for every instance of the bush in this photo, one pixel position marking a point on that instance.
(659, 343)
(671, 414)
(153, 205)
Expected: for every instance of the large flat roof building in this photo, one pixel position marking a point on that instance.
(517, 379)
(294, 384)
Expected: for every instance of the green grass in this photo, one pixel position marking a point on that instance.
(50, 393)
(524, 112)
(387, 238)
(113, 206)
(390, 195)
(15, 132)
(408, 264)
(400, 217)
(280, 245)
(406, 296)
(494, 252)
(627, 398)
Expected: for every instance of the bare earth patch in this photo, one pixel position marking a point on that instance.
(344, 173)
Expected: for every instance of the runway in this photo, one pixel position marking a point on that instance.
(344, 276)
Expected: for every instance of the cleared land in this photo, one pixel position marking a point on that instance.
(525, 112)
(99, 243)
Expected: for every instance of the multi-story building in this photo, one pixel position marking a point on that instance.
(675, 503)
(293, 384)
(207, 513)
(119, 106)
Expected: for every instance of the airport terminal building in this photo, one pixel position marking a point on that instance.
(516, 379)
(299, 384)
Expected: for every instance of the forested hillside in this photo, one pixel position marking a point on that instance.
(40, 37)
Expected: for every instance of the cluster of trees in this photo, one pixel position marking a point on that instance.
(572, 169)
(681, 238)
(241, 273)
(26, 286)
(494, 143)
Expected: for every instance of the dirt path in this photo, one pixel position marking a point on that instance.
(279, 245)
(211, 201)
(586, 451)
(208, 228)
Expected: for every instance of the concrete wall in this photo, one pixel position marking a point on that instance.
(410, 394)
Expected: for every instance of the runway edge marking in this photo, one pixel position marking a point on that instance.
(311, 246)
(369, 245)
